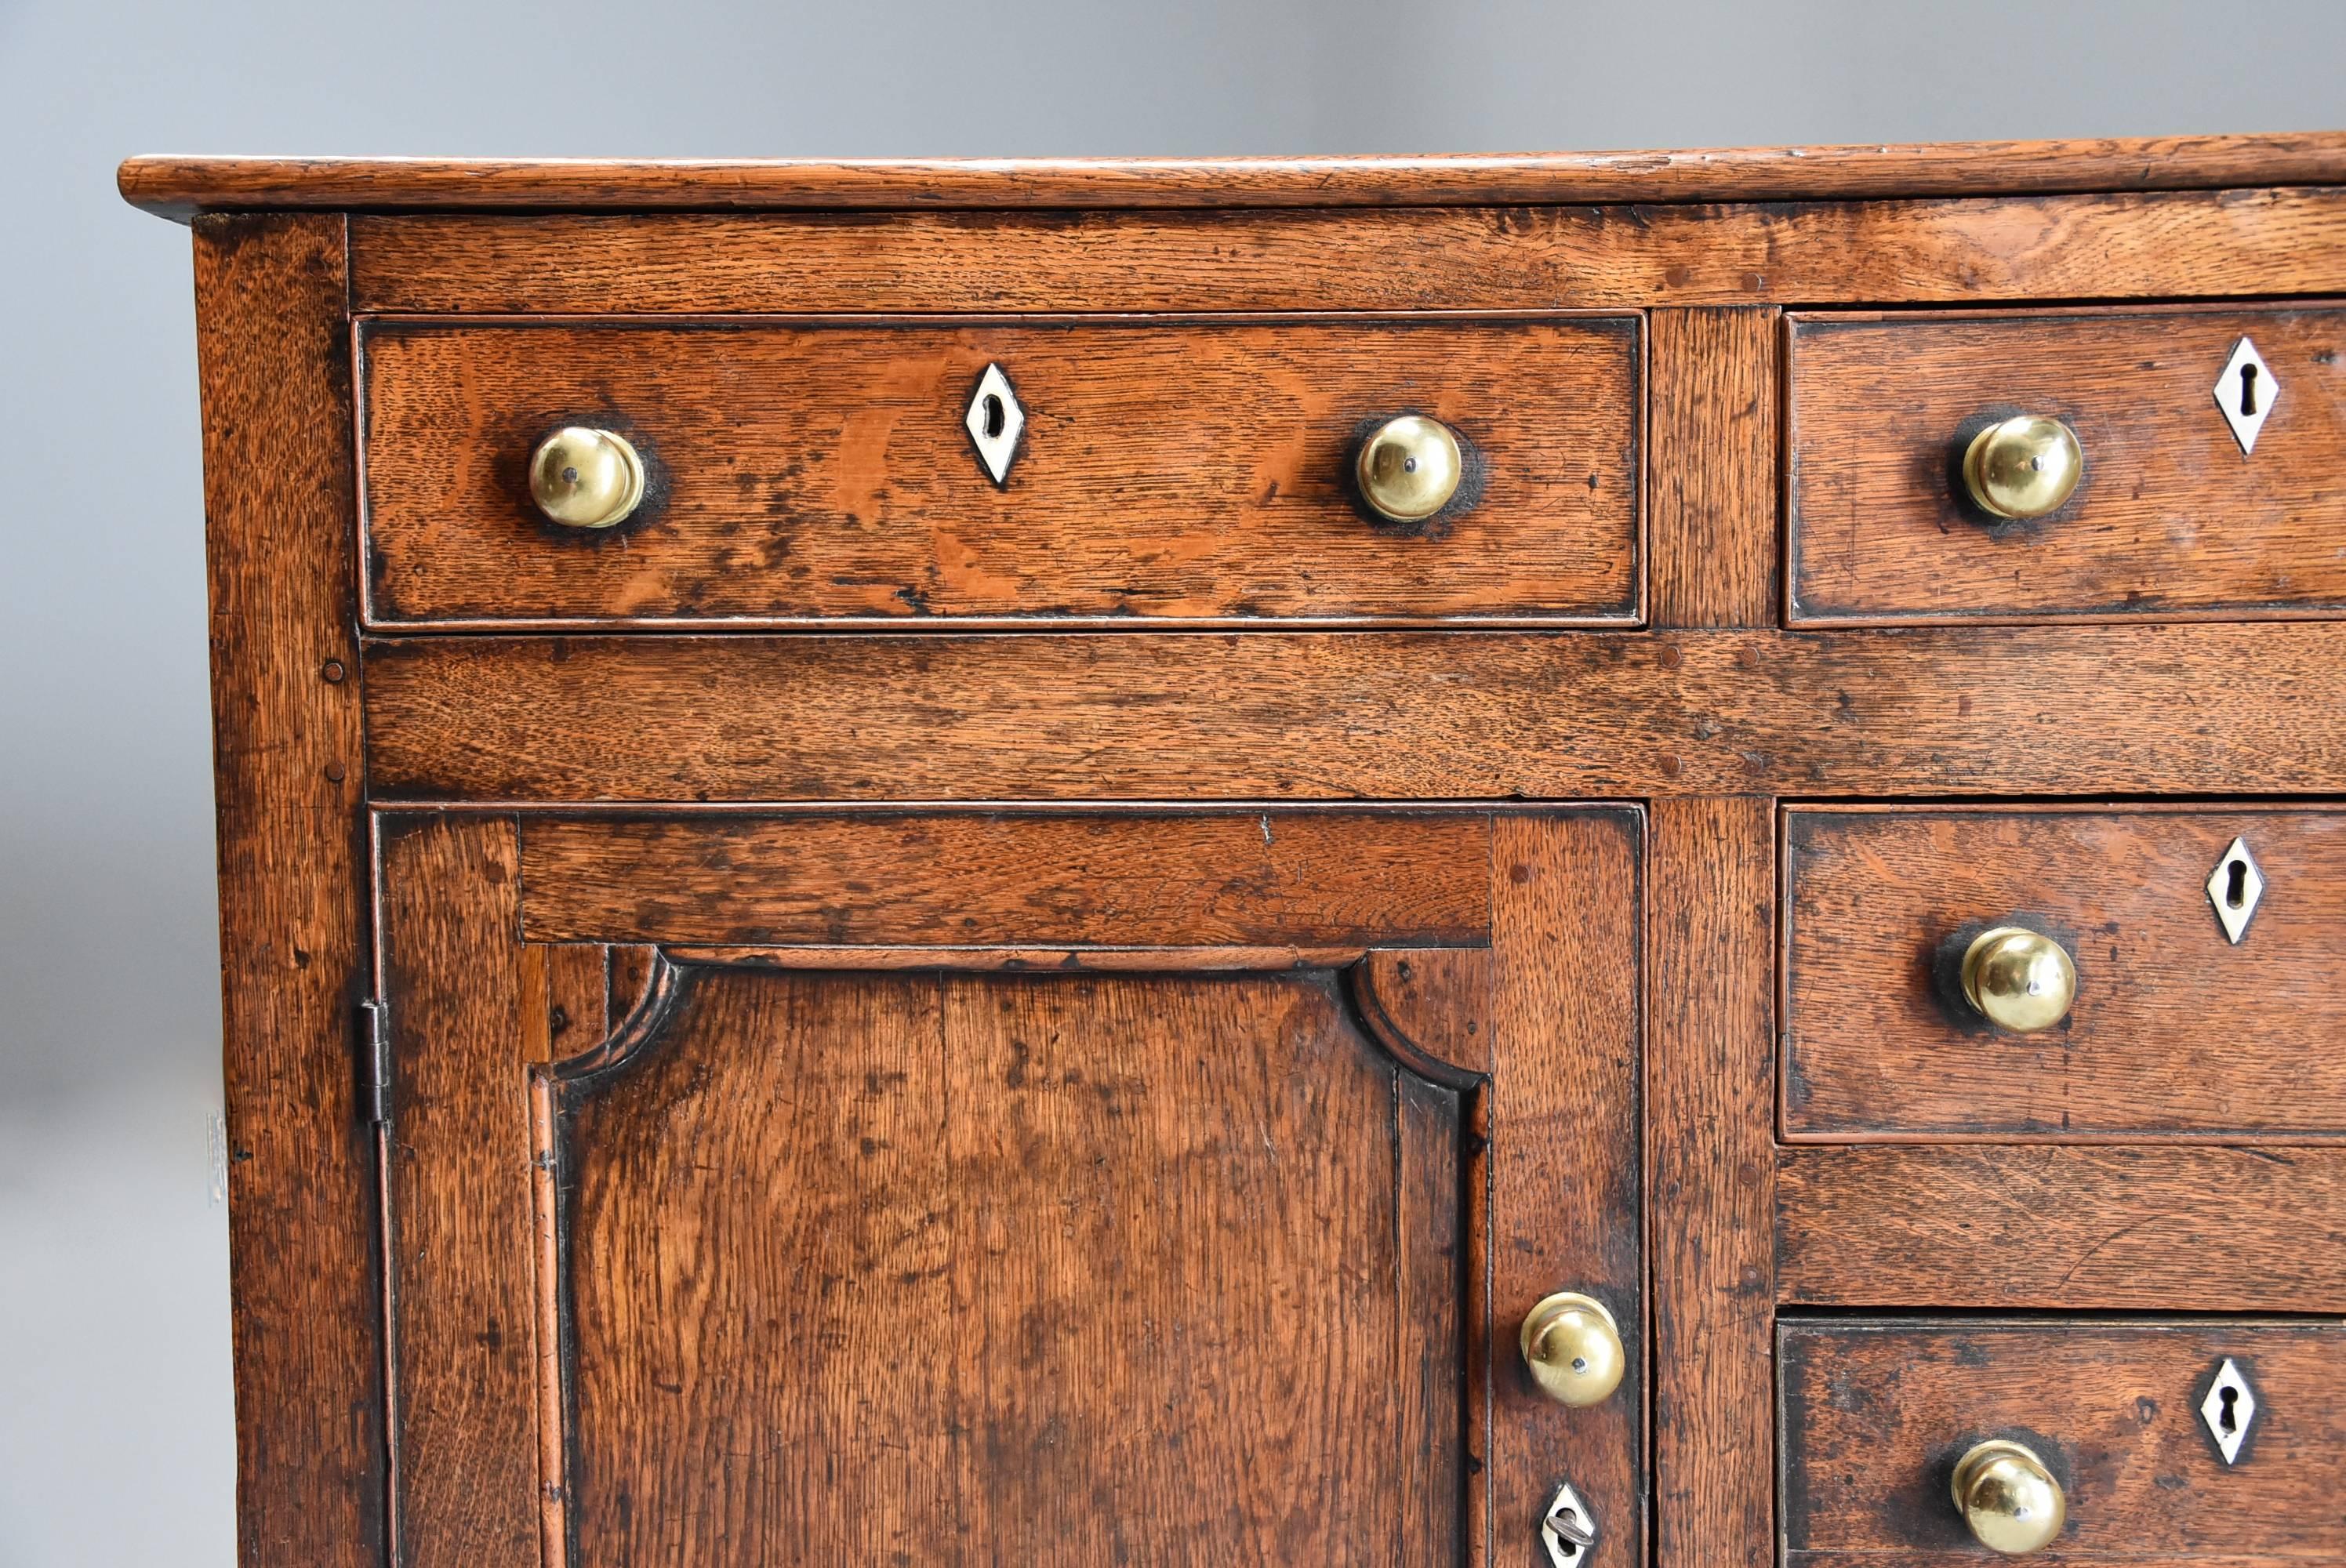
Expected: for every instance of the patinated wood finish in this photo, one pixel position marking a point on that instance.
(2127, 1229)
(2179, 245)
(1166, 472)
(290, 778)
(1007, 1089)
(2177, 1031)
(2172, 518)
(1117, 1261)
(178, 186)
(1333, 715)
(1876, 1414)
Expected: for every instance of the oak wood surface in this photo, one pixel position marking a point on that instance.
(2175, 1030)
(1428, 1007)
(1021, 1269)
(632, 970)
(569, 986)
(1999, 1225)
(2172, 518)
(1288, 880)
(1710, 1075)
(305, 1276)
(1167, 471)
(175, 185)
(1563, 1107)
(2146, 246)
(1875, 1414)
(466, 1357)
(1401, 716)
(1111, 1156)
(1118, 1112)
(1711, 466)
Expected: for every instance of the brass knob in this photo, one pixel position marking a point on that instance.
(1573, 1348)
(2026, 466)
(2008, 1498)
(1408, 468)
(2018, 979)
(584, 478)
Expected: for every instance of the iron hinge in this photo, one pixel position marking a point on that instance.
(375, 1056)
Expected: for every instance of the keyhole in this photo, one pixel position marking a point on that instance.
(2235, 894)
(2229, 1421)
(1571, 1535)
(2249, 390)
(994, 417)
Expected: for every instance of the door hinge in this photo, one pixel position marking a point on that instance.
(375, 1062)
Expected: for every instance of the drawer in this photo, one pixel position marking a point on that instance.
(1877, 1415)
(2174, 513)
(2175, 1028)
(1152, 470)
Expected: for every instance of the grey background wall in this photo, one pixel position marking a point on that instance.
(114, 1413)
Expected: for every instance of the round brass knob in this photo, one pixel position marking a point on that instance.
(2008, 1498)
(2019, 979)
(2026, 466)
(1408, 468)
(1573, 1348)
(584, 478)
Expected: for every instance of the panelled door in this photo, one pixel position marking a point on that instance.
(1107, 1186)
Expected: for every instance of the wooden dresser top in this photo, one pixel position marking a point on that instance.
(179, 187)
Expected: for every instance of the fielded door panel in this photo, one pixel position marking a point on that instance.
(1107, 1187)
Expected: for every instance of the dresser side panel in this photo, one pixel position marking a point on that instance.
(304, 1209)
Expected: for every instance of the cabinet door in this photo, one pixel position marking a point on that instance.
(1038, 1188)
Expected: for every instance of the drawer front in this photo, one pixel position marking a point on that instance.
(2175, 1028)
(1181, 471)
(1877, 1414)
(2172, 515)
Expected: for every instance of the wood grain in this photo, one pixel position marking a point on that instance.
(1116, 1112)
(1876, 1414)
(1167, 471)
(1211, 958)
(1012, 880)
(2176, 1031)
(2063, 1227)
(176, 187)
(962, 1232)
(2172, 518)
(1170, 1192)
(1562, 1112)
(1709, 1080)
(2171, 246)
(631, 974)
(1204, 716)
(778, 1286)
(462, 1245)
(1429, 1007)
(567, 985)
(305, 1276)
(1713, 467)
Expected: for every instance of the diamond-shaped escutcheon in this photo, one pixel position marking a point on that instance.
(1569, 1530)
(996, 422)
(2246, 392)
(2234, 887)
(2230, 1409)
